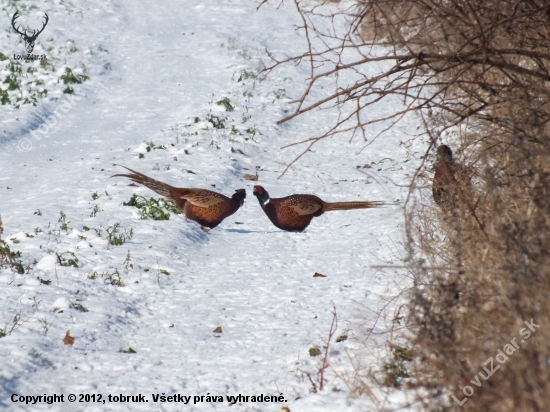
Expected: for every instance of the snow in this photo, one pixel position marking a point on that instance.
(153, 69)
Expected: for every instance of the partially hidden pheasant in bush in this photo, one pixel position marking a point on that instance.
(294, 213)
(451, 183)
(203, 206)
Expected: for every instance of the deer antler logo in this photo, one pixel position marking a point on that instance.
(29, 40)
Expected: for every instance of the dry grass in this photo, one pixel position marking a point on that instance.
(494, 242)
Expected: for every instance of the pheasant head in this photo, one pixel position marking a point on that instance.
(261, 194)
(239, 196)
(444, 153)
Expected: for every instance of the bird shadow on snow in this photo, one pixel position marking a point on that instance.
(252, 231)
(194, 233)
(243, 231)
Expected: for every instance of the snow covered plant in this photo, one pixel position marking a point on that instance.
(155, 209)
(113, 278)
(115, 238)
(7, 257)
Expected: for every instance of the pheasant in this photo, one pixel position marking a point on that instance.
(294, 213)
(205, 207)
(451, 181)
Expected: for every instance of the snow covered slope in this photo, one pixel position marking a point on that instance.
(155, 72)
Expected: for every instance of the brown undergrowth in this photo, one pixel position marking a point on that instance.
(487, 272)
(480, 308)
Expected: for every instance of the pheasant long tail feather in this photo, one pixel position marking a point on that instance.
(354, 205)
(161, 188)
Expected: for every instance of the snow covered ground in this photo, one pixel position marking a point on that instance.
(155, 72)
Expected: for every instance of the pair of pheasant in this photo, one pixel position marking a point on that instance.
(292, 213)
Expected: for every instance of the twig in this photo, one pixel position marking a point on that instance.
(331, 332)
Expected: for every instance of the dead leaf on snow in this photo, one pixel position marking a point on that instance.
(68, 339)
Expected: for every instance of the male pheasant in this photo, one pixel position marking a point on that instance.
(205, 207)
(451, 183)
(294, 213)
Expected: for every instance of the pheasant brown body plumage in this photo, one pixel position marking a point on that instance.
(451, 183)
(294, 213)
(205, 207)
